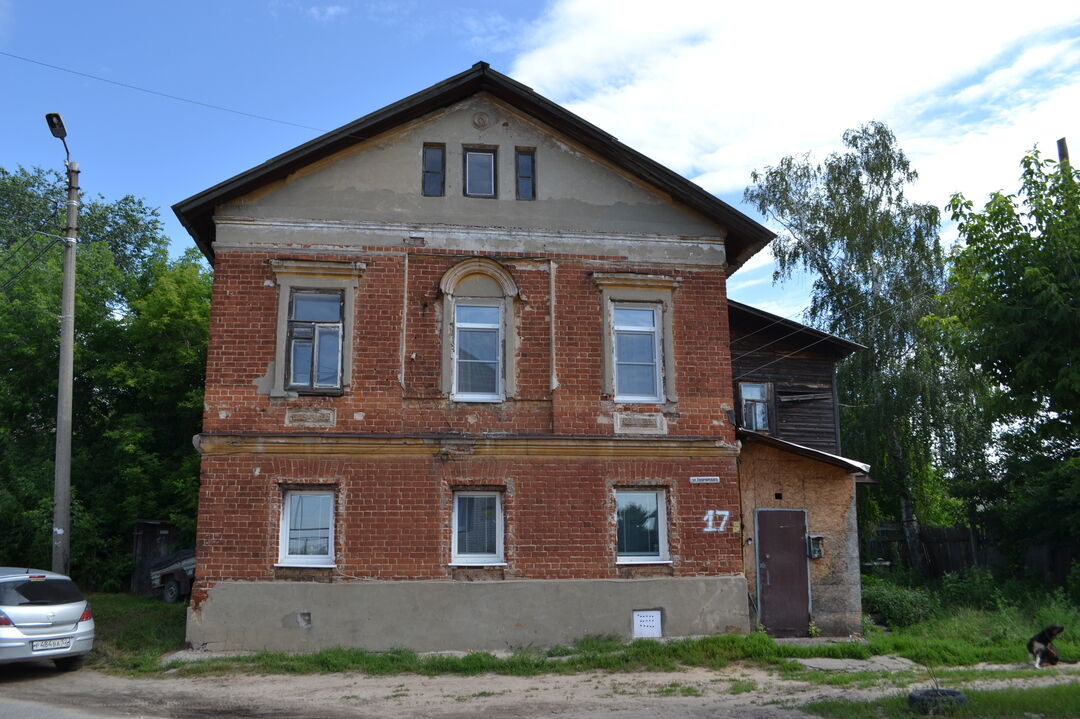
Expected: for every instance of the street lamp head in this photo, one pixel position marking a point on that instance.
(56, 125)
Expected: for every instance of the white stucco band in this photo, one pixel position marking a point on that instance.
(449, 615)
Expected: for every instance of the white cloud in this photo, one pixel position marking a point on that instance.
(714, 90)
(326, 13)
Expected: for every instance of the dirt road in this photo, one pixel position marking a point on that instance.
(743, 692)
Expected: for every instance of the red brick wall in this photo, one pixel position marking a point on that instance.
(242, 345)
(393, 515)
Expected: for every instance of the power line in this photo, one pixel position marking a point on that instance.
(888, 308)
(10, 256)
(159, 94)
(11, 280)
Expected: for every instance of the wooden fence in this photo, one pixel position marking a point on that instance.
(951, 549)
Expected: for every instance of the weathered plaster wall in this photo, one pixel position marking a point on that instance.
(427, 616)
(378, 181)
(828, 495)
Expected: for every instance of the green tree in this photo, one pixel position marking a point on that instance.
(878, 268)
(1013, 309)
(141, 324)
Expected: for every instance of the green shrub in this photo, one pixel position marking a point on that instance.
(895, 606)
(973, 587)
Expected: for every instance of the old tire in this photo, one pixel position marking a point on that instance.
(936, 702)
(69, 664)
(171, 591)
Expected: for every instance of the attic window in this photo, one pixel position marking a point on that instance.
(480, 174)
(525, 167)
(434, 171)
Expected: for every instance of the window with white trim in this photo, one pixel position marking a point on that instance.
(477, 528)
(481, 178)
(478, 333)
(478, 342)
(755, 405)
(307, 529)
(314, 342)
(638, 359)
(641, 526)
(637, 352)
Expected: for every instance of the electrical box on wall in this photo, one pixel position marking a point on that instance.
(647, 624)
(816, 544)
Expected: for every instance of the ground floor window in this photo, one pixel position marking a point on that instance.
(307, 528)
(478, 528)
(641, 525)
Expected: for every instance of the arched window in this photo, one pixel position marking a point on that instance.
(478, 332)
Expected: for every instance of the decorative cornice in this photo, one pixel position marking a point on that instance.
(478, 265)
(633, 279)
(308, 268)
(456, 232)
(390, 447)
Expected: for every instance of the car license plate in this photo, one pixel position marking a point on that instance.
(43, 644)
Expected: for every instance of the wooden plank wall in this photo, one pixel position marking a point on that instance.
(761, 357)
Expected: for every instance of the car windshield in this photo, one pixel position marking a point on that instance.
(38, 591)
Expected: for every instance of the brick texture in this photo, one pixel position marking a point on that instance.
(393, 514)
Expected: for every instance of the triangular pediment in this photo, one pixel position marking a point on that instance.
(598, 183)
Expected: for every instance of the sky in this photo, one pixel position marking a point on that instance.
(164, 100)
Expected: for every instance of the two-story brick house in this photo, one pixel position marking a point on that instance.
(470, 385)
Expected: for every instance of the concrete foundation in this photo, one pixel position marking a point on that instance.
(437, 615)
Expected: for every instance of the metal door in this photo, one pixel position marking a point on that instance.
(783, 578)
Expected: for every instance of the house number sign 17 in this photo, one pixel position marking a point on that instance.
(716, 520)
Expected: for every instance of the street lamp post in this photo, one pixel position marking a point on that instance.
(61, 539)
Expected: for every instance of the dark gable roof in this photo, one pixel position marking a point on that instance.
(745, 236)
(752, 316)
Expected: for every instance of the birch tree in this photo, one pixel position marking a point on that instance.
(877, 268)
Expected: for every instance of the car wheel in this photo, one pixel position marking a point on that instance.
(936, 702)
(70, 664)
(171, 592)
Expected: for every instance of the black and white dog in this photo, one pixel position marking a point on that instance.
(1041, 646)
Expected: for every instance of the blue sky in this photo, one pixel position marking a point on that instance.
(711, 89)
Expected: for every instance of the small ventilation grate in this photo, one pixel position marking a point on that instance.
(647, 624)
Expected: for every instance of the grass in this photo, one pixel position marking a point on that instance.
(134, 632)
(1046, 702)
(131, 632)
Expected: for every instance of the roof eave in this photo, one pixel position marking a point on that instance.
(842, 346)
(853, 466)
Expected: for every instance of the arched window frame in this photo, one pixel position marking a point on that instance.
(453, 295)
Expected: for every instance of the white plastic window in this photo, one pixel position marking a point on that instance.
(478, 528)
(641, 526)
(480, 173)
(307, 529)
(637, 353)
(478, 351)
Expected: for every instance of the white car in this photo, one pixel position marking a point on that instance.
(43, 616)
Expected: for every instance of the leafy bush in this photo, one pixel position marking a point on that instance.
(895, 606)
(973, 587)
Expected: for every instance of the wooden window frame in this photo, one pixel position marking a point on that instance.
(441, 172)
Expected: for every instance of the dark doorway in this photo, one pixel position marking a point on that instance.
(783, 579)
